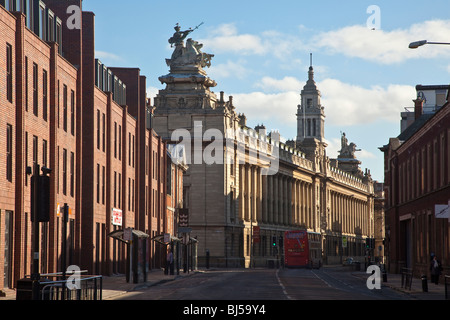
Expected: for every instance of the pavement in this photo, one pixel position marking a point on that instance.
(115, 286)
(416, 292)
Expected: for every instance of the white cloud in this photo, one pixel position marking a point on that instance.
(345, 104)
(385, 47)
(229, 69)
(277, 109)
(226, 39)
(283, 85)
(107, 56)
(152, 92)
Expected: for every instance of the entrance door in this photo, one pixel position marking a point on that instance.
(408, 244)
(8, 249)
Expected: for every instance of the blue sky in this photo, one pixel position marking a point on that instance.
(366, 77)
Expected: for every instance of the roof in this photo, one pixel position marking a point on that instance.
(415, 126)
(118, 234)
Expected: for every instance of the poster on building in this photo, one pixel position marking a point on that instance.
(441, 211)
(116, 217)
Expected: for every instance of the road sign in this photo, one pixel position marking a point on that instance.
(442, 211)
(183, 218)
(344, 242)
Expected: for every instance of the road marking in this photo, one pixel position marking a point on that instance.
(321, 279)
(282, 286)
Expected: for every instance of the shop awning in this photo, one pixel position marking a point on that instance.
(118, 234)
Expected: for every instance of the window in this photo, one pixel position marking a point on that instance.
(9, 75)
(44, 94)
(98, 129)
(26, 84)
(30, 19)
(59, 35)
(35, 89)
(98, 183)
(119, 197)
(103, 132)
(59, 98)
(26, 154)
(129, 148)
(72, 112)
(115, 140)
(132, 200)
(129, 194)
(42, 22)
(120, 142)
(35, 149)
(103, 184)
(9, 148)
(51, 26)
(44, 153)
(64, 172)
(115, 188)
(132, 153)
(72, 171)
(65, 108)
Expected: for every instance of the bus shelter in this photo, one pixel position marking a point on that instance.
(137, 258)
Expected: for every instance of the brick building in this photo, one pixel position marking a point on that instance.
(91, 124)
(417, 178)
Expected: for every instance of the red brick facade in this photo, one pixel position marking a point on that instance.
(103, 155)
(417, 177)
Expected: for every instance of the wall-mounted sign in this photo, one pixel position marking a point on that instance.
(116, 217)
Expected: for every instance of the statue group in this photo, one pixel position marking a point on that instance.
(189, 55)
(347, 150)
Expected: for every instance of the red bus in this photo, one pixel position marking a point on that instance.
(302, 249)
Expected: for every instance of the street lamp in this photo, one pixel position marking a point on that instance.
(416, 44)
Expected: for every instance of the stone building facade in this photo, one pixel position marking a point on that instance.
(244, 188)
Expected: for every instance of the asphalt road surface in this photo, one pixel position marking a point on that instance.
(266, 284)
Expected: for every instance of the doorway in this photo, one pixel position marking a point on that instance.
(8, 249)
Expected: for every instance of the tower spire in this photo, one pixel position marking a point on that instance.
(311, 60)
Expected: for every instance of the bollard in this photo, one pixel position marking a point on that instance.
(424, 283)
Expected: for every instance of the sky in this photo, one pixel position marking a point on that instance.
(363, 67)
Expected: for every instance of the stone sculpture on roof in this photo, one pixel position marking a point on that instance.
(189, 54)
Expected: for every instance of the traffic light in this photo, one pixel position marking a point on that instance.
(274, 241)
(42, 208)
(370, 243)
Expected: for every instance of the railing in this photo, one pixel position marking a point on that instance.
(90, 288)
(76, 287)
(406, 278)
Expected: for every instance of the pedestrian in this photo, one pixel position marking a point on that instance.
(435, 268)
(170, 262)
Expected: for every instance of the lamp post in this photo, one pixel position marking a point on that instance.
(417, 44)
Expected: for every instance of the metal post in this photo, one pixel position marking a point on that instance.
(64, 247)
(35, 277)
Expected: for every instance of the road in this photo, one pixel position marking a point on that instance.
(267, 284)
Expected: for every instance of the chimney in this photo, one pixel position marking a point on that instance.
(242, 120)
(418, 108)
